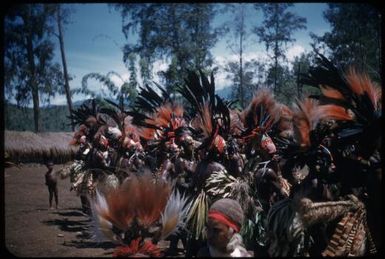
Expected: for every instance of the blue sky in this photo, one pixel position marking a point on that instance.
(94, 37)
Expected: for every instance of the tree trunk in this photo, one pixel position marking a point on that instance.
(241, 59)
(32, 81)
(66, 83)
(176, 48)
(276, 54)
(276, 90)
(36, 108)
(121, 102)
(241, 74)
(299, 86)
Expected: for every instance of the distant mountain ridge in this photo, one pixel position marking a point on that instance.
(224, 92)
(54, 118)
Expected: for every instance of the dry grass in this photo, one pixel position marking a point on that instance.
(29, 147)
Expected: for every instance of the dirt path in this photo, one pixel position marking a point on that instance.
(33, 230)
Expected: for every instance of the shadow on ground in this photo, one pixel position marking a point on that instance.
(90, 244)
(70, 213)
(68, 225)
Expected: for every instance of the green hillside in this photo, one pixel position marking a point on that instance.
(52, 119)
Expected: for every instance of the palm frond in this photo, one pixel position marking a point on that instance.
(220, 184)
(197, 215)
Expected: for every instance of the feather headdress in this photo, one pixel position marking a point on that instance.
(260, 115)
(90, 120)
(213, 113)
(141, 207)
(306, 145)
(236, 125)
(157, 116)
(349, 96)
(306, 117)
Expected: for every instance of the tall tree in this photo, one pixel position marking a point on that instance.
(300, 65)
(276, 32)
(179, 33)
(62, 18)
(130, 91)
(289, 78)
(202, 34)
(30, 71)
(237, 44)
(252, 77)
(355, 36)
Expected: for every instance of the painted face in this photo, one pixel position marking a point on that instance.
(267, 144)
(82, 140)
(103, 141)
(220, 143)
(325, 161)
(187, 140)
(217, 234)
(172, 147)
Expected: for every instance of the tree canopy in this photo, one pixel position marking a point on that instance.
(355, 36)
(28, 58)
(276, 32)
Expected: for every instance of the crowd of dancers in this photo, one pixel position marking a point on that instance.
(299, 180)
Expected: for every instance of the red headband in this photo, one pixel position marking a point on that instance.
(223, 219)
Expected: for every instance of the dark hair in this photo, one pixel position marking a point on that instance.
(49, 163)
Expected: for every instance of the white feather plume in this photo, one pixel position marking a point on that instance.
(174, 215)
(101, 228)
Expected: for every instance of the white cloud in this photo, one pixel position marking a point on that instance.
(58, 100)
(247, 56)
(119, 81)
(294, 51)
(159, 65)
(221, 81)
(221, 61)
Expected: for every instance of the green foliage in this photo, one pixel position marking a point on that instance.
(285, 82)
(301, 65)
(278, 27)
(355, 37)
(53, 119)
(253, 76)
(178, 32)
(238, 70)
(171, 77)
(124, 94)
(130, 88)
(289, 79)
(28, 57)
(253, 231)
(276, 32)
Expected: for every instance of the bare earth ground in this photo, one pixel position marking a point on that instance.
(33, 230)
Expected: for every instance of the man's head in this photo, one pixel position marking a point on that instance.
(49, 165)
(225, 217)
(267, 144)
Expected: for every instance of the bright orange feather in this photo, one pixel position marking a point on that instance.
(360, 83)
(331, 93)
